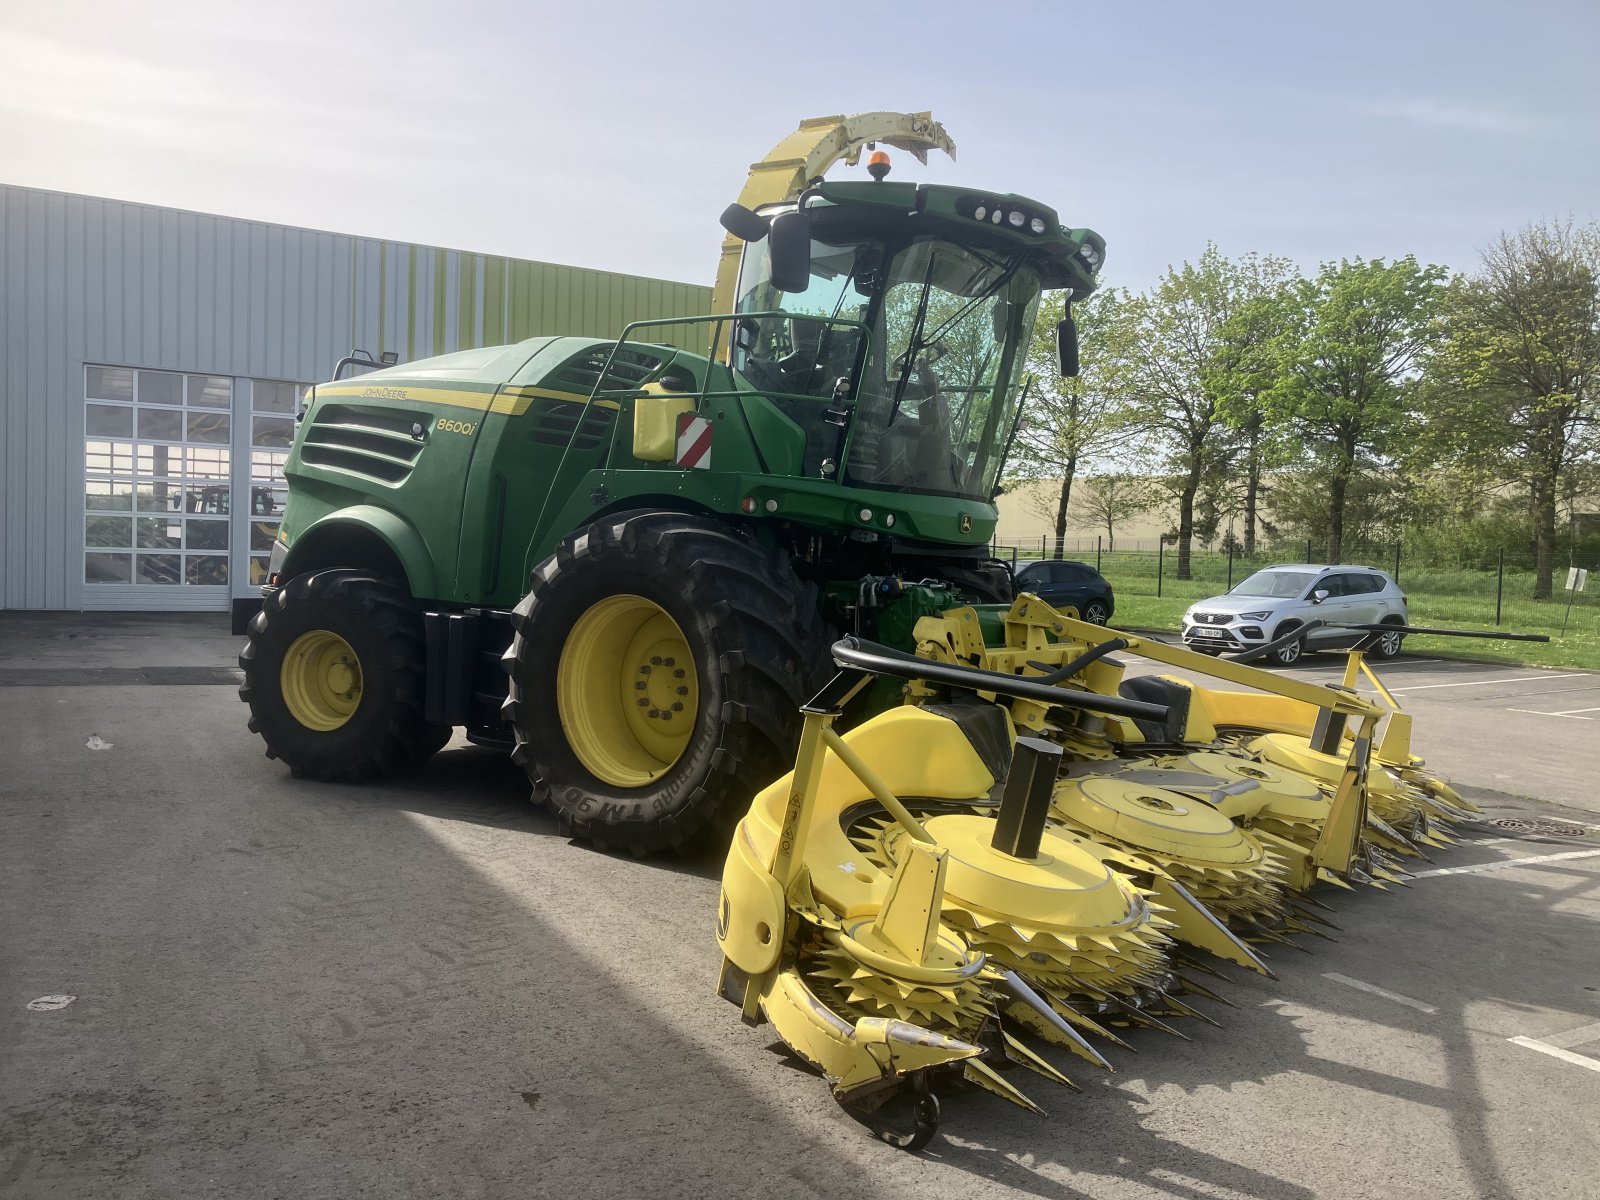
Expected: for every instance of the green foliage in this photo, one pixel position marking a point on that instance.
(1349, 353)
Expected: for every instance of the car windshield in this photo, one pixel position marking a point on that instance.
(1281, 585)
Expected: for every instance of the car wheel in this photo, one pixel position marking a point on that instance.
(1389, 642)
(1095, 612)
(1290, 652)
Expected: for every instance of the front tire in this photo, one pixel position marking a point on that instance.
(1095, 612)
(1289, 653)
(334, 669)
(715, 635)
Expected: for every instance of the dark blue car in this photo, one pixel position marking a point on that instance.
(1064, 584)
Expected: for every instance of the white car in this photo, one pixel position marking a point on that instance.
(1280, 599)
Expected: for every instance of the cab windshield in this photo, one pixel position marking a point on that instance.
(941, 386)
(905, 361)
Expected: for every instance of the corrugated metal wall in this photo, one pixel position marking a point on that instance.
(84, 279)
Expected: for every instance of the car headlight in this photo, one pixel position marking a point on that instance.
(1258, 616)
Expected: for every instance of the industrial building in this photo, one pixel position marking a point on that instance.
(152, 361)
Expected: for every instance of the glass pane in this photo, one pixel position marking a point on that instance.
(267, 501)
(210, 391)
(159, 533)
(208, 427)
(108, 458)
(262, 534)
(164, 461)
(160, 568)
(105, 420)
(208, 535)
(158, 497)
(207, 462)
(108, 493)
(160, 423)
(269, 397)
(267, 466)
(206, 568)
(211, 500)
(272, 431)
(108, 383)
(108, 568)
(160, 387)
(258, 569)
(108, 531)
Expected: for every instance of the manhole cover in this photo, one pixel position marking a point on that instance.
(1542, 826)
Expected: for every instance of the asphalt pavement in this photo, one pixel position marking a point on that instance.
(283, 988)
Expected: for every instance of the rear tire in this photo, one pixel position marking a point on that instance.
(595, 635)
(1095, 612)
(1388, 645)
(333, 674)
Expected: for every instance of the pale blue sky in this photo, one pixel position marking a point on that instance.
(611, 134)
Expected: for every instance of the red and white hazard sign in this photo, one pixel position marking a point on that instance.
(694, 441)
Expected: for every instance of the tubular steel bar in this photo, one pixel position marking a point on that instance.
(881, 660)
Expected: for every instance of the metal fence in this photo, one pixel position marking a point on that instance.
(1149, 567)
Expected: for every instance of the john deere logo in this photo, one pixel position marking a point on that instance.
(966, 522)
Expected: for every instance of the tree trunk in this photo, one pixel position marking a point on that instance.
(1191, 487)
(1544, 538)
(1337, 486)
(1070, 469)
(1252, 488)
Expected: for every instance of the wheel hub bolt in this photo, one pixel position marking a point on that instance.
(643, 703)
(655, 660)
(654, 713)
(640, 686)
(678, 674)
(677, 706)
(670, 662)
(683, 691)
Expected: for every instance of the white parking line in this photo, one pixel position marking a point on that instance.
(1571, 716)
(1503, 863)
(1378, 991)
(1577, 1060)
(1573, 1037)
(1572, 712)
(1422, 687)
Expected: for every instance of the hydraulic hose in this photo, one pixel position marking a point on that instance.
(876, 659)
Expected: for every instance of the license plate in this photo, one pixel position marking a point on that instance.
(1203, 632)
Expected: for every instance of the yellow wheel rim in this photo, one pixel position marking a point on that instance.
(321, 680)
(626, 691)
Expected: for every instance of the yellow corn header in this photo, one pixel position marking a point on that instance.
(1037, 851)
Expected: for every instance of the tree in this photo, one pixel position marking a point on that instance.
(1243, 380)
(1348, 360)
(1069, 422)
(1174, 360)
(1516, 383)
(1116, 497)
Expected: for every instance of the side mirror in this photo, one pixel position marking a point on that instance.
(744, 224)
(789, 251)
(1067, 344)
(1318, 596)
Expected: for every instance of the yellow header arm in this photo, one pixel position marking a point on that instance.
(806, 154)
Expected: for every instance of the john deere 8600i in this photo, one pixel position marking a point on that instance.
(663, 544)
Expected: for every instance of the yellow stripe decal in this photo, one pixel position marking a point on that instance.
(509, 401)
